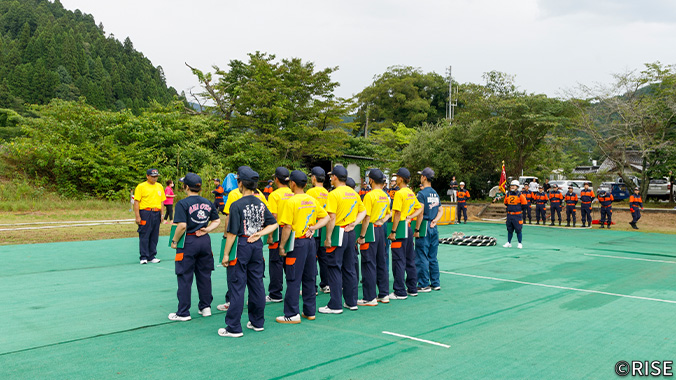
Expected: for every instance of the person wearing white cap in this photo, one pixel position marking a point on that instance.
(515, 202)
(463, 196)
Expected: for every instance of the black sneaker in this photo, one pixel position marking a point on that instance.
(602, 226)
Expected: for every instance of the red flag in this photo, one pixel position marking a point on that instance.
(503, 179)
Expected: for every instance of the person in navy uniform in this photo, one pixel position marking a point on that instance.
(249, 219)
(586, 198)
(515, 202)
(635, 207)
(606, 201)
(268, 189)
(529, 198)
(555, 199)
(218, 193)
(571, 201)
(540, 198)
(426, 247)
(196, 216)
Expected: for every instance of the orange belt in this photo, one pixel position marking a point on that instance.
(152, 209)
(192, 234)
(605, 206)
(302, 237)
(515, 213)
(586, 203)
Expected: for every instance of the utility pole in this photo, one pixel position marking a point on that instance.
(450, 113)
(366, 127)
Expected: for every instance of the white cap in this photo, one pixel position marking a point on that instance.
(462, 184)
(514, 183)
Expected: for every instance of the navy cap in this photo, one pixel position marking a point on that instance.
(153, 172)
(298, 177)
(192, 180)
(427, 172)
(269, 181)
(217, 179)
(245, 173)
(376, 175)
(282, 173)
(340, 172)
(403, 173)
(350, 182)
(318, 172)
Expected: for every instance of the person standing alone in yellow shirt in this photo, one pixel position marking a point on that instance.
(404, 208)
(148, 198)
(346, 210)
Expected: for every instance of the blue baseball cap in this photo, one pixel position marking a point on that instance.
(350, 182)
(340, 172)
(427, 172)
(192, 180)
(245, 173)
(297, 177)
(376, 175)
(403, 173)
(153, 172)
(318, 172)
(282, 173)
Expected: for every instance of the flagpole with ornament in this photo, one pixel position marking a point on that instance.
(503, 179)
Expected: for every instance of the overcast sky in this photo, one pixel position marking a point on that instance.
(549, 45)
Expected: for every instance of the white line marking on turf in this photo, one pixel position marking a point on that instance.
(631, 258)
(417, 339)
(64, 226)
(69, 222)
(560, 287)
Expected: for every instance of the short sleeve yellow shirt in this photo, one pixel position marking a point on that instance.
(405, 202)
(277, 198)
(346, 204)
(320, 194)
(149, 196)
(301, 211)
(377, 204)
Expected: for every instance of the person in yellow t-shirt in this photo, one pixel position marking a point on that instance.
(148, 199)
(276, 202)
(302, 215)
(233, 196)
(404, 208)
(373, 254)
(318, 192)
(346, 210)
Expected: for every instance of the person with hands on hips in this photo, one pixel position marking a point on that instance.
(303, 215)
(196, 216)
(249, 220)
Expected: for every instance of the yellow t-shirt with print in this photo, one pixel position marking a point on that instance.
(149, 196)
(346, 204)
(320, 194)
(236, 195)
(377, 204)
(277, 198)
(300, 211)
(405, 202)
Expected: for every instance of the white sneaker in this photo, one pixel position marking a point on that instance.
(507, 245)
(206, 312)
(268, 299)
(251, 327)
(226, 333)
(223, 306)
(291, 320)
(436, 288)
(519, 246)
(326, 310)
(326, 289)
(144, 262)
(155, 260)
(385, 299)
(396, 297)
(174, 317)
(426, 289)
(353, 308)
(373, 302)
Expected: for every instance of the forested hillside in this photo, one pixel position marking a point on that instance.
(49, 52)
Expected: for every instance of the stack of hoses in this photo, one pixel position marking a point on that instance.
(473, 240)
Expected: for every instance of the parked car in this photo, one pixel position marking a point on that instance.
(659, 188)
(580, 183)
(565, 184)
(618, 190)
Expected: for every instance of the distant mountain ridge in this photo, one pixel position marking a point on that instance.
(47, 51)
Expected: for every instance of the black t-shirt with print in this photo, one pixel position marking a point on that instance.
(195, 212)
(249, 215)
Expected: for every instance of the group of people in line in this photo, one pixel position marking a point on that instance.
(341, 231)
